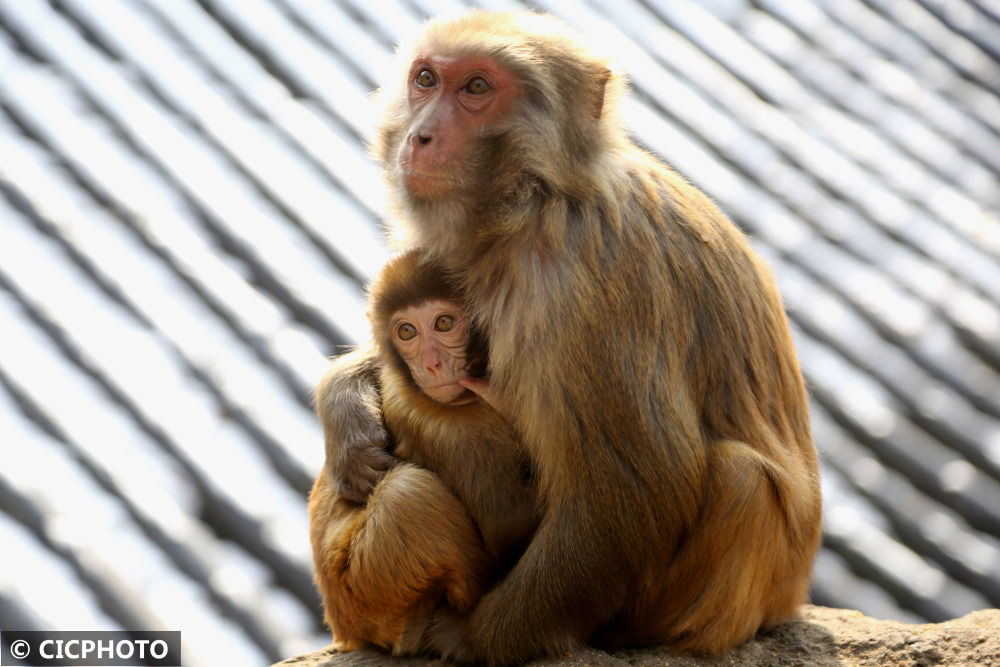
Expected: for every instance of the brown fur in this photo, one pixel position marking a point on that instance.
(642, 346)
(382, 568)
(433, 531)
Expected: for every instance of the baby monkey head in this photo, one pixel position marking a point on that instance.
(422, 328)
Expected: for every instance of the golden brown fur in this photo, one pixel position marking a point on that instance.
(383, 567)
(641, 344)
(435, 530)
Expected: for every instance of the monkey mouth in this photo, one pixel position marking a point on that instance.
(444, 385)
(436, 173)
(409, 173)
(447, 393)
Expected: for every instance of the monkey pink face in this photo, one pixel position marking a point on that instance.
(454, 102)
(432, 338)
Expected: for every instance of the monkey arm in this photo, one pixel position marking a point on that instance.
(349, 408)
(560, 598)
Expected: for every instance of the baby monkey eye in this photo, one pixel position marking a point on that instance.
(406, 331)
(478, 86)
(426, 78)
(444, 323)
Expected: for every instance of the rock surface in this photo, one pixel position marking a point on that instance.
(820, 637)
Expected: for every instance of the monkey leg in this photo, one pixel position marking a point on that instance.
(747, 562)
(382, 568)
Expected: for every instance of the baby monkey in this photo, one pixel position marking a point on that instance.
(457, 510)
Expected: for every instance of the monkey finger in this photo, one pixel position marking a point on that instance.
(359, 486)
(361, 470)
(479, 386)
(483, 388)
(446, 634)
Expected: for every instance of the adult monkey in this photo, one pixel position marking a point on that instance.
(458, 513)
(640, 346)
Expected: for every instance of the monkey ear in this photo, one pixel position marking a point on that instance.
(600, 83)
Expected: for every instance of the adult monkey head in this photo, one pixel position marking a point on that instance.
(476, 114)
(639, 344)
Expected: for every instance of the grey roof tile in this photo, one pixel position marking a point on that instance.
(188, 216)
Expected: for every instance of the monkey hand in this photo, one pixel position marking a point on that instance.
(447, 635)
(364, 461)
(486, 390)
(349, 409)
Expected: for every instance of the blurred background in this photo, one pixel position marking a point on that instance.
(188, 218)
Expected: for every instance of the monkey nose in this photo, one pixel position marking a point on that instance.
(420, 139)
(432, 359)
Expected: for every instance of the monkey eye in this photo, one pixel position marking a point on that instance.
(406, 331)
(444, 323)
(478, 86)
(426, 79)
